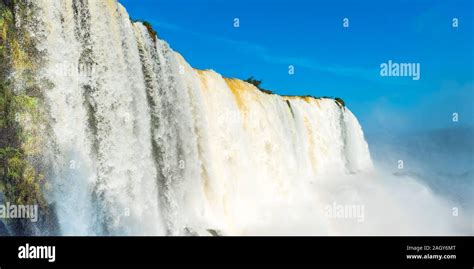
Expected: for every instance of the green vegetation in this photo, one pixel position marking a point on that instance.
(253, 81)
(340, 102)
(151, 31)
(149, 27)
(5, 17)
(20, 182)
(20, 178)
(257, 84)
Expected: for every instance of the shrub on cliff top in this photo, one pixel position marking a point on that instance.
(151, 31)
(257, 84)
(340, 102)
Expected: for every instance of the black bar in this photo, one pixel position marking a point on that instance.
(241, 250)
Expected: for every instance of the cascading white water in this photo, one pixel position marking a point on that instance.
(105, 171)
(142, 143)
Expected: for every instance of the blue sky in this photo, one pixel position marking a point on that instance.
(331, 60)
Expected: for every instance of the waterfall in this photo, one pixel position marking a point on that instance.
(140, 143)
(105, 171)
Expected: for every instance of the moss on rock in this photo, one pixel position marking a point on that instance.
(20, 178)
